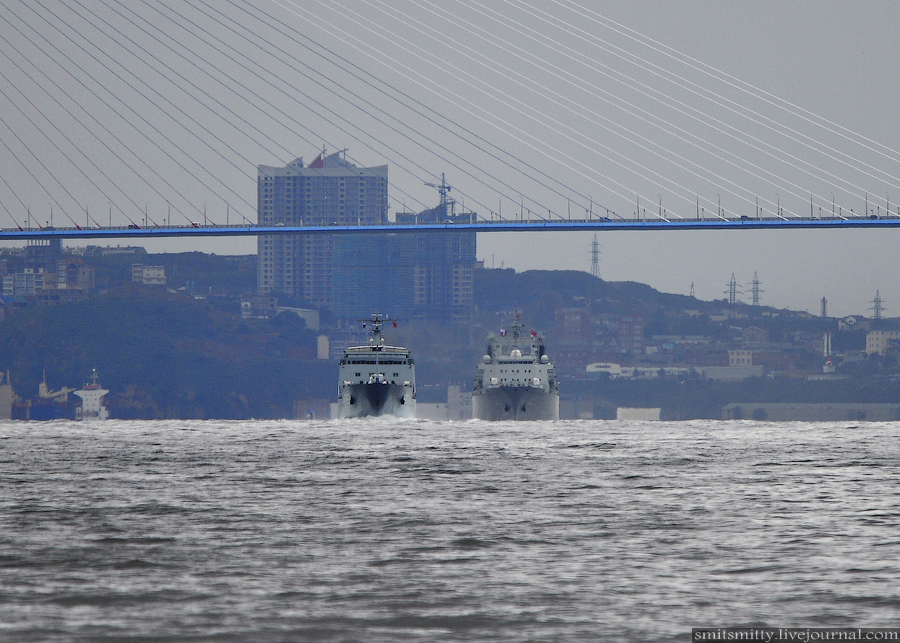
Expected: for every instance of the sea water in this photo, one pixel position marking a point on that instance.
(387, 530)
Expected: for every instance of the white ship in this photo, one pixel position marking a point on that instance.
(514, 381)
(91, 407)
(376, 380)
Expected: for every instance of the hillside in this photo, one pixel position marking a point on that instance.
(540, 293)
(167, 355)
(171, 354)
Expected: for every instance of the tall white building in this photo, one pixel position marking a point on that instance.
(328, 191)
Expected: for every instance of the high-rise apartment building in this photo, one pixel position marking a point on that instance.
(328, 191)
(424, 275)
(442, 265)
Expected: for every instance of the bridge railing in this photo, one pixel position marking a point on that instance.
(481, 224)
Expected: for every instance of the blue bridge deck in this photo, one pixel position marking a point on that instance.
(568, 225)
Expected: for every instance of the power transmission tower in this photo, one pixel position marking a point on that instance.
(756, 290)
(877, 307)
(595, 257)
(733, 291)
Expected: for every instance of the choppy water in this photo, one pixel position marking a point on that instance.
(426, 531)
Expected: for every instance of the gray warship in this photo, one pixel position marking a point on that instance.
(515, 381)
(376, 380)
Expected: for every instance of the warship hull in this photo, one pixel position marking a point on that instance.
(515, 403)
(376, 399)
(377, 379)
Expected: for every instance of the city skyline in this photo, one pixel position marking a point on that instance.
(826, 58)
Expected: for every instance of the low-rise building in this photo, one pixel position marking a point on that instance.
(616, 371)
(148, 275)
(878, 341)
(25, 282)
(754, 335)
(74, 273)
(731, 373)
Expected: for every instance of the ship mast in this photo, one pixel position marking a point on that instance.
(377, 322)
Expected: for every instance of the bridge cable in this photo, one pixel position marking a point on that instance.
(87, 129)
(357, 106)
(740, 85)
(66, 156)
(359, 171)
(138, 130)
(37, 180)
(684, 85)
(161, 95)
(149, 100)
(471, 79)
(348, 40)
(557, 46)
(436, 117)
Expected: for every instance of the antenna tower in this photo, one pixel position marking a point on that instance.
(877, 306)
(595, 257)
(824, 308)
(755, 289)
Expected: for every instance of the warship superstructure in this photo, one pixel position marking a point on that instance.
(516, 381)
(377, 379)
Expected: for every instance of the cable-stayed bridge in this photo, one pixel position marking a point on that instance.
(530, 107)
(559, 225)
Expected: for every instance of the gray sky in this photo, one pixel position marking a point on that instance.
(525, 106)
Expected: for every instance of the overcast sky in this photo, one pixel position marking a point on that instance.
(549, 108)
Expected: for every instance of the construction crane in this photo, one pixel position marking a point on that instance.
(444, 190)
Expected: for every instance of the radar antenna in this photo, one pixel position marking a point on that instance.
(376, 321)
